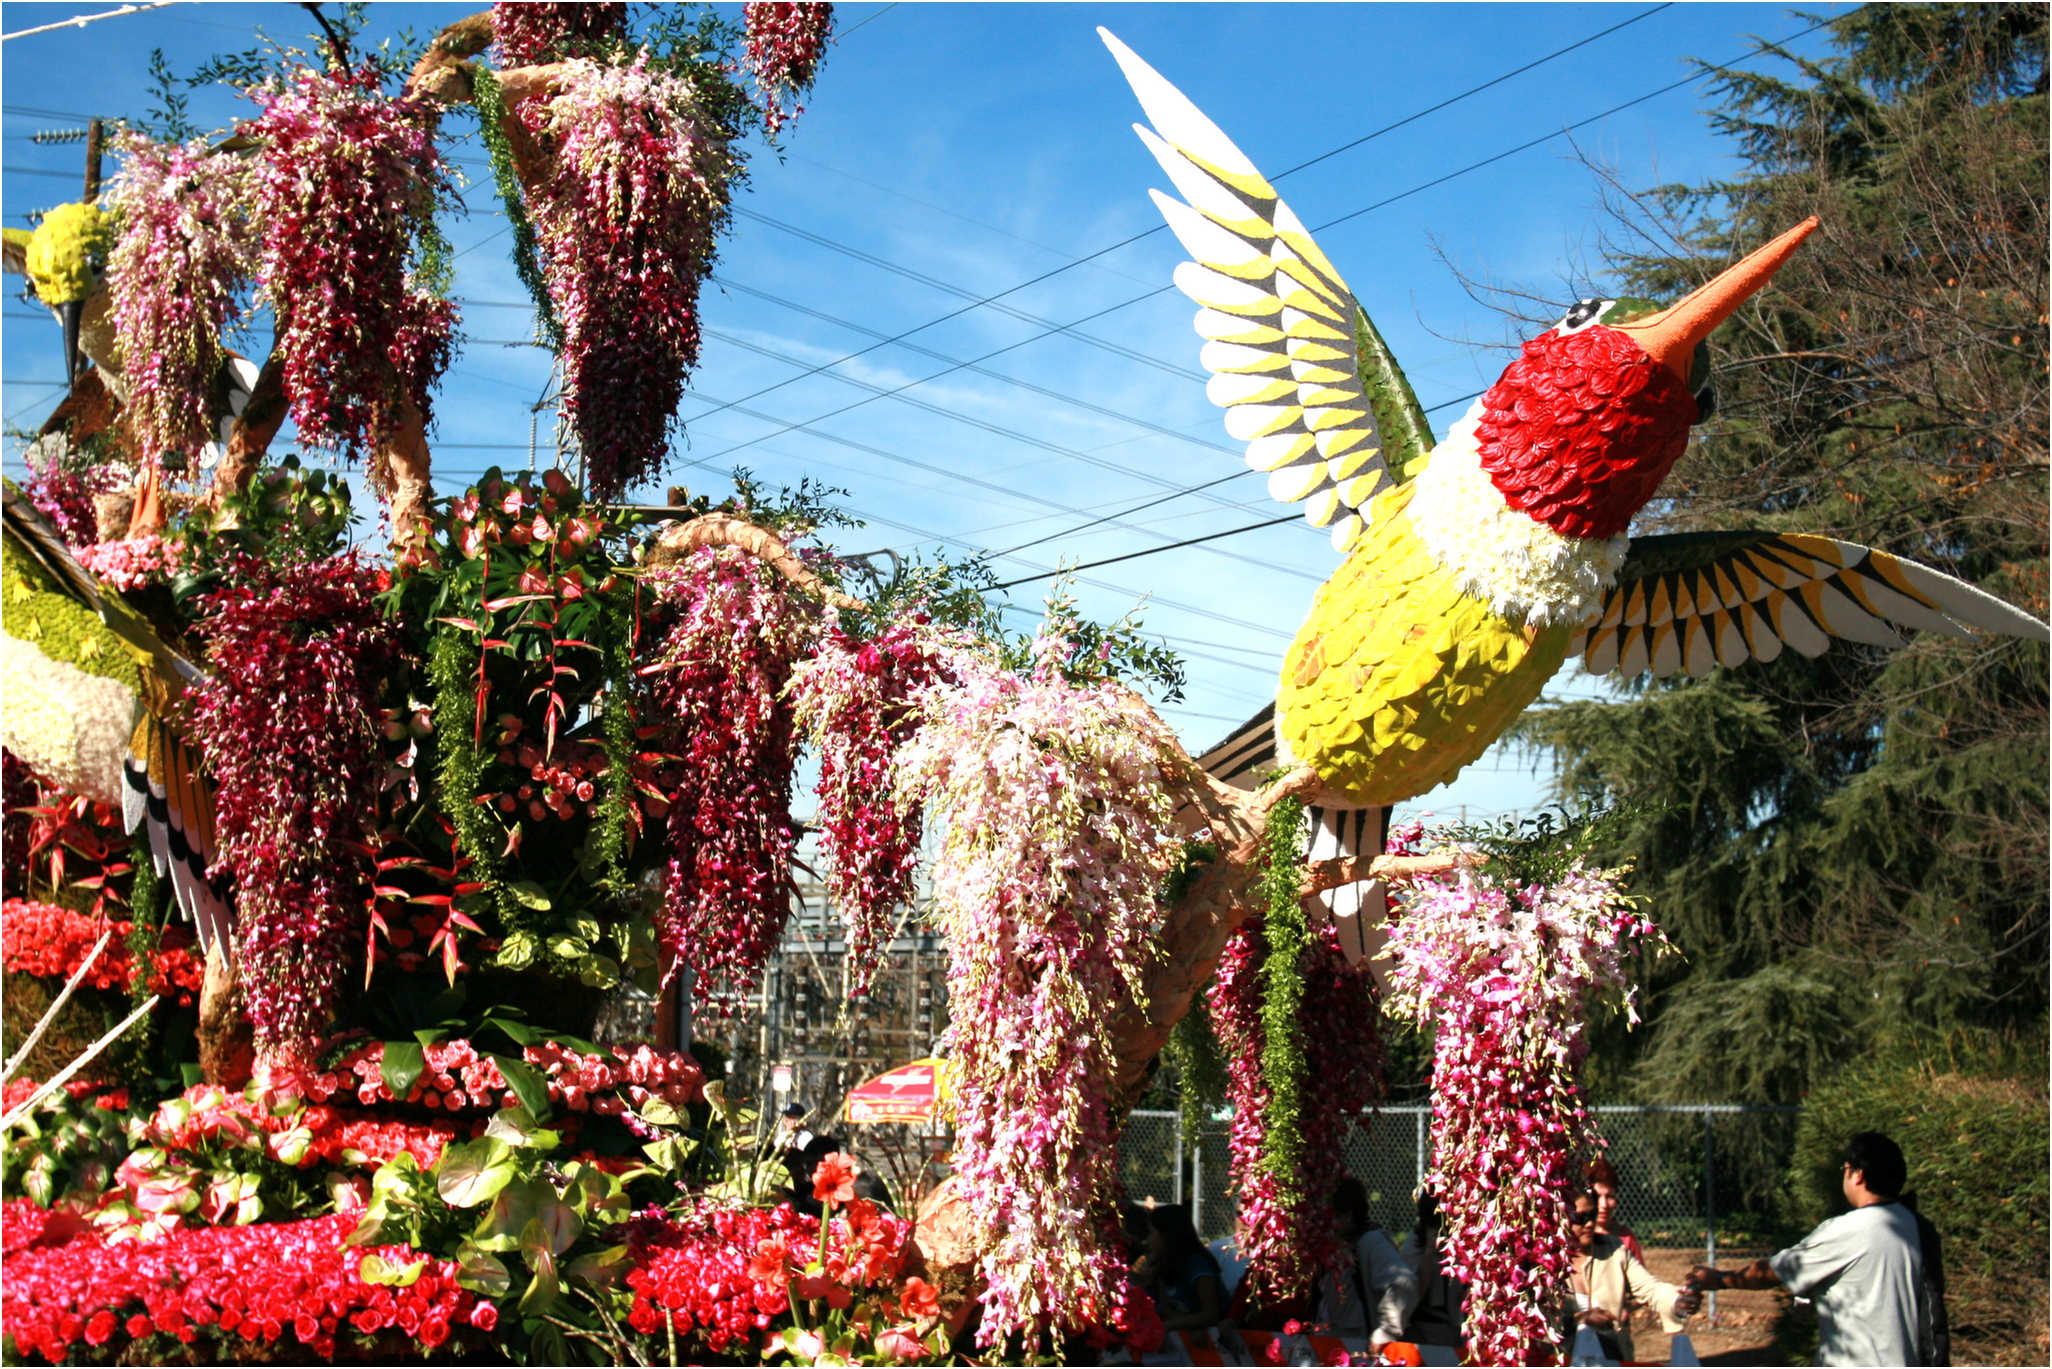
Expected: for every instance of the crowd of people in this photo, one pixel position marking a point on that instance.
(1875, 1274)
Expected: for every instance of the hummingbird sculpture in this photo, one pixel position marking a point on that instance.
(1477, 565)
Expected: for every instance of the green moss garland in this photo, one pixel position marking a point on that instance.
(459, 776)
(491, 117)
(1282, 973)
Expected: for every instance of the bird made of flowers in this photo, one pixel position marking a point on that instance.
(1477, 565)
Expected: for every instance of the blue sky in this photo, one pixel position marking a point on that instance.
(955, 153)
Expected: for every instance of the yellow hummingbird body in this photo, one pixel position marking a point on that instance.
(1399, 677)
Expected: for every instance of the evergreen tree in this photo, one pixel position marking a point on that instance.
(1855, 844)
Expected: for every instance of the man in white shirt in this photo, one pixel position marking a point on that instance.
(1864, 1269)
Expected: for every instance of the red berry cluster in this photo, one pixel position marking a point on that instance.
(228, 1284)
(289, 715)
(563, 785)
(344, 179)
(51, 942)
(785, 44)
(715, 682)
(527, 32)
(854, 701)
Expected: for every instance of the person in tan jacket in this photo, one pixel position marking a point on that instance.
(1608, 1283)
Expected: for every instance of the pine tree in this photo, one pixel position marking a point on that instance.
(1855, 845)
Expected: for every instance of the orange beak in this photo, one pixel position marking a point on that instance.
(1670, 336)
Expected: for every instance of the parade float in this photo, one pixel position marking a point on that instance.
(323, 859)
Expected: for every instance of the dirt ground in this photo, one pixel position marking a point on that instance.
(1742, 1332)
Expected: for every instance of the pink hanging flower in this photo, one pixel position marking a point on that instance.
(626, 217)
(344, 181)
(785, 44)
(184, 252)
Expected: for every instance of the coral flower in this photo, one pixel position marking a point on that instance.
(833, 1182)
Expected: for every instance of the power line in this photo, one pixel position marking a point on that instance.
(1147, 233)
(1135, 555)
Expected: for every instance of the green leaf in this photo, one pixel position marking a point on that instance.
(530, 895)
(473, 1171)
(517, 951)
(517, 1128)
(599, 972)
(480, 1271)
(542, 1289)
(528, 1084)
(601, 1267)
(402, 1066)
(587, 929)
(552, 1230)
(569, 948)
(511, 1211)
(378, 1270)
(661, 1113)
(518, 1032)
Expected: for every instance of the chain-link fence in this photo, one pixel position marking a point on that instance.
(1691, 1175)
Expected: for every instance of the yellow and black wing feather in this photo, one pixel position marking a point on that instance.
(1695, 601)
(1304, 378)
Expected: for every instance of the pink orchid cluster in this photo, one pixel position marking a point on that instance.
(129, 563)
(526, 32)
(458, 1078)
(626, 216)
(1288, 1230)
(345, 178)
(714, 686)
(223, 1289)
(183, 256)
(854, 701)
(1059, 831)
(785, 43)
(62, 482)
(1508, 978)
(289, 713)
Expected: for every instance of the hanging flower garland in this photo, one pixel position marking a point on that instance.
(529, 31)
(344, 185)
(183, 254)
(289, 716)
(1508, 978)
(785, 44)
(1303, 1061)
(715, 683)
(854, 701)
(626, 211)
(1059, 832)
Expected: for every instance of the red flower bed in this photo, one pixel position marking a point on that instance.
(728, 1273)
(259, 1283)
(46, 940)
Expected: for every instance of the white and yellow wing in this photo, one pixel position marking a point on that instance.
(1279, 322)
(1694, 601)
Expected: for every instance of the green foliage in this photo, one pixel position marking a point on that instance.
(1541, 850)
(1282, 996)
(1968, 1109)
(1859, 838)
(170, 117)
(288, 514)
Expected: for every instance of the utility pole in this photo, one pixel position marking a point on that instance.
(96, 138)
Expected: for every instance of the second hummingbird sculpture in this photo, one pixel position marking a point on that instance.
(1477, 565)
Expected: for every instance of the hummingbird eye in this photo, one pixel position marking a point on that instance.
(1584, 313)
